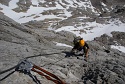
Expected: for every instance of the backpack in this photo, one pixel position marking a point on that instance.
(76, 39)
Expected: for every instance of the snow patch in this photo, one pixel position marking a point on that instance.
(61, 44)
(103, 4)
(33, 13)
(13, 4)
(71, 75)
(120, 48)
(35, 2)
(93, 29)
(36, 11)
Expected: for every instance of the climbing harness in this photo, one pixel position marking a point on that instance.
(24, 66)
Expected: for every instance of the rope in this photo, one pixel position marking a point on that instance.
(34, 78)
(41, 55)
(7, 76)
(2, 72)
(50, 75)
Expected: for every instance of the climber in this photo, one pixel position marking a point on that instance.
(79, 45)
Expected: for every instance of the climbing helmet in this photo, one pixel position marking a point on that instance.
(82, 42)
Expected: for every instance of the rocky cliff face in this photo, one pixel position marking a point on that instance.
(32, 39)
(116, 39)
(70, 12)
(104, 66)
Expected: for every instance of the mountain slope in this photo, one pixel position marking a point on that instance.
(39, 35)
(105, 65)
(39, 10)
(18, 41)
(81, 17)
